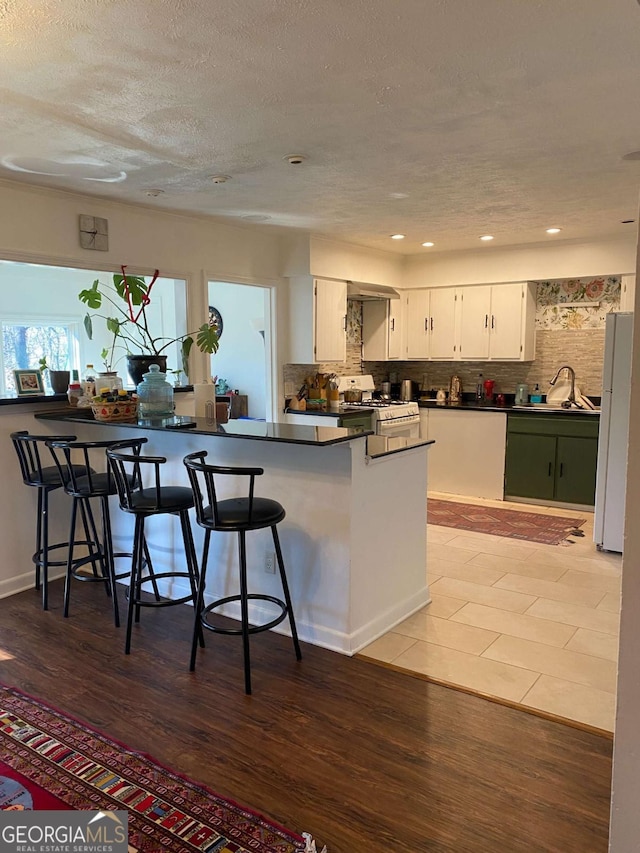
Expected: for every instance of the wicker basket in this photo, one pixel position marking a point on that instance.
(125, 411)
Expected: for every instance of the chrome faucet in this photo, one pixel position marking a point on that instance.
(571, 401)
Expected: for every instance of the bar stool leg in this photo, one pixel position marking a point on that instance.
(109, 564)
(90, 534)
(244, 610)
(149, 565)
(43, 556)
(285, 589)
(199, 605)
(134, 586)
(68, 575)
(39, 527)
(192, 563)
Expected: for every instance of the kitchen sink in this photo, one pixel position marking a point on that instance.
(546, 407)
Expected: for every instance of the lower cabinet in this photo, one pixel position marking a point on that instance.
(552, 458)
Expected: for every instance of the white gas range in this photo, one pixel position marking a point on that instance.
(390, 417)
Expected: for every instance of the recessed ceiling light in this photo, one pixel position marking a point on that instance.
(428, 245)
(486, 237)
(219, 179)
(397, 236)
(153, 193)
(256, 217)
(554, 230)
(398, 195)
(294, 159)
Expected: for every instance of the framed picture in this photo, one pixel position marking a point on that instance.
(28, 382)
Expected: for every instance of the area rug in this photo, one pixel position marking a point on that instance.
(50, 761)
(513, 523)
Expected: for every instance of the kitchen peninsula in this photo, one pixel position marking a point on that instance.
(354, 539)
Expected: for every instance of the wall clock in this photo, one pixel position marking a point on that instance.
(215, 320)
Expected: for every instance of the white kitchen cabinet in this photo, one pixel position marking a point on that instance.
(628, 293)
(430, 321)
(497, 322)
(317, 320)
(382, 329)
(468, 457)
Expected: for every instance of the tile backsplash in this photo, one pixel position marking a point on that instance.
(566, 333)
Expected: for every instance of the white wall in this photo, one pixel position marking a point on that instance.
(625, 814)
(522, 263)
(241, 356)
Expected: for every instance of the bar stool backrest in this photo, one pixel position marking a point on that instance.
(28, 452)
(73, 459)
(203, 485)
(134, 473)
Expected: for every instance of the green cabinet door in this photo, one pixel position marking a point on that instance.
(530, 465)
(576, 470)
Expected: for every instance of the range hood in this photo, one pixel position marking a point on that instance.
(367, 292)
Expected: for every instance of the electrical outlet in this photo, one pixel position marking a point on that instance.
(270, 563)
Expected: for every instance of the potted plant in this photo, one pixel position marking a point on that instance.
(58, 379)
(127, 320)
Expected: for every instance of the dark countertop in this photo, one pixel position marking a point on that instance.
(332, 413)
(246, 429)
(385, 445)
(508, 409)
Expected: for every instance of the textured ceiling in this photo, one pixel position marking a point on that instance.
(439, 119)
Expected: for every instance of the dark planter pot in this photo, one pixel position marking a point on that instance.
(59, 380)
(138, 365)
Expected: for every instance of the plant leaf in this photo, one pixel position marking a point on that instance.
(88, 326)
(92, 296)
(207, 339)
(113, 325)
(137, 288)
(187, 343)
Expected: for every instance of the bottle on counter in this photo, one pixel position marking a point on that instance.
(74, 393)
(479, 389)
(89, 382)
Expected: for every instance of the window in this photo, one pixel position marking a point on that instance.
(26, 340)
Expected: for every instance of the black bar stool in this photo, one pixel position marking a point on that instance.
(236, 515)
(44, 478)
(75, 461)
(140, 492)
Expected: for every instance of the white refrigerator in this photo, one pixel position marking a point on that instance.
(611, 481)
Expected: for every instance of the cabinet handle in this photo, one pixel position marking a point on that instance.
(486, 321)
(492, 321)
(549, 469)
(393, 324)
(344, 328)
(432, 324)
(426, 324)
(561, 468)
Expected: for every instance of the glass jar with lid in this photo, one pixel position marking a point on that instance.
(155, 394)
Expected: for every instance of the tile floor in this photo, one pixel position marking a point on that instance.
(534, 624)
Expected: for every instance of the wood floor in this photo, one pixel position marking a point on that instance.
(364, 758)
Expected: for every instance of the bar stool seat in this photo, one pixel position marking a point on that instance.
(141, 493)
(82, 483)
(238, 515)
(44, 478)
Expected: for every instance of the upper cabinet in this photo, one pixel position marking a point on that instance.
(317, 320)
(471, 323)
(382, 329)
(497, 322)
(430, 320)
